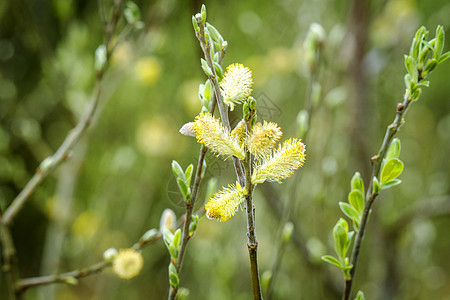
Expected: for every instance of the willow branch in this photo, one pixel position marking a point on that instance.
(50, 163)
(26, 283)
(370, 196)
(252, 242)
(190, 205)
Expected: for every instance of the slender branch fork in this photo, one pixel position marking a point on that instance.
(370, 195)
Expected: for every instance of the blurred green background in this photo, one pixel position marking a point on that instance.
(119, 179)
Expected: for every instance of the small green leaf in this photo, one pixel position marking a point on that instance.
(132, 13)
(391, 170)
(394, 149)
(331, 260)
(195, 24)
(219, 71)
(287, 232)
(408, 81)
(214, 33)
(173, 251)
(411, 67)
(188, 174)
(348, 210)
(178, 171)
(440, 41)
(390, 184)
(340, 237)
(177, 238)
(203, 13)
(167, 237)
(376, 186)
(360, 296)
(444, 57)
(206, 68)
(185, 190)
(356, 199)
(173, 276)
(357, 183)
(429, 67)
(416, 94)
(208, 90)
(356, 223)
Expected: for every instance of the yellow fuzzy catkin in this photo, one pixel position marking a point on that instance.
(281, 164)
(128, 263)
(210, 132)
(236, 85)
(263, 138)
(239, 133)
(224, 204)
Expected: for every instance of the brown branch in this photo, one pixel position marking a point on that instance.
(26, 283)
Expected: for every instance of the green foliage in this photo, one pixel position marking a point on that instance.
(360, 296)
(342, 239)
(183, 179)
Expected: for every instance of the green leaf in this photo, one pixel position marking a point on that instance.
(195, 24)
(214, 33)
(429, 67)
(203, 13)
(340, 238)
(356, 223)
(408, 81)
(356, 199)
(188, 174)
(206, 68)
(391, 170)
(411, 67)
(360, 296)
(177, 238)
(184, 190)
(394, 149)
(173, 276)
(444, 57)
(132, 13)
(331, 260)
(167, 237)
(390, 184)
(348, 210)
(219, 71)
(440, 41)
(357, 183)
(416, 95)
(376, 186)
(208, 90)
(178, 171)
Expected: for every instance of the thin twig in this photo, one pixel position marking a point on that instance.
(190, 205)
(290, 205)
(370, 196)
(26, 283)
(10, 267)
(252, 242)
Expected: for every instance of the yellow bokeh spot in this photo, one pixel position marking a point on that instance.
(155, 138)
(188, 92)
(148, 70)
(86, 225)
(122, 55)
